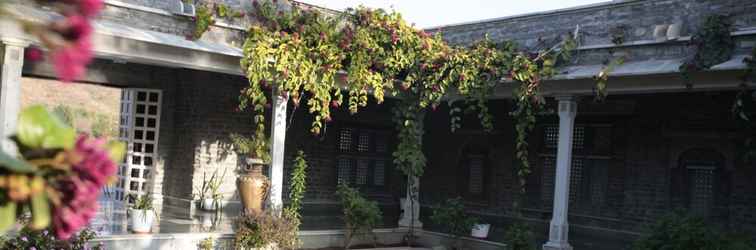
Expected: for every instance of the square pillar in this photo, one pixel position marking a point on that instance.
(12, 60)
(559, 228)
(277, 141)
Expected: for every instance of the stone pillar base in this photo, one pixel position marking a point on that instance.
(557, 246)
(407, 222)
(405, 219)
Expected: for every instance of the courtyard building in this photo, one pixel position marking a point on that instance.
(602, 170)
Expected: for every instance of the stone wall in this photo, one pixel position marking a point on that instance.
(648, 136)
(639, 16)
(636, 19)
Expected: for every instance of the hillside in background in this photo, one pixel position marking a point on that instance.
(90, 108)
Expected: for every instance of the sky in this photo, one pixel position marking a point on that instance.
(435, 13)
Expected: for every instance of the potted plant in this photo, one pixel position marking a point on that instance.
(142, 215)
(210, 197)
(207, 244)
(251, 183)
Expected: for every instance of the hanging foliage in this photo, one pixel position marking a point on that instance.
(530, 70)
(602, 78)
(373, 53)
(408, 120)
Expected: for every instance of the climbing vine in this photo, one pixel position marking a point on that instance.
(206, 14)
(713, 44)
(369, 54)
(202, 20)
(408, 120)
(530, 70)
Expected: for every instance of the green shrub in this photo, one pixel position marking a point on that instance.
(679, 231)
(360, 215)
(298, 185)
(452, 218)
(256, 231)
(519, 237)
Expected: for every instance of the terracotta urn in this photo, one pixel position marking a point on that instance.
(252, 186)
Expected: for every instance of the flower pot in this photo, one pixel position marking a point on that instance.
(141, 220)
(208, 204)
(480, 231)
(207, 220)
(252, 186)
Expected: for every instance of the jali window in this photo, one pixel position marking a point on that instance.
(363, 157)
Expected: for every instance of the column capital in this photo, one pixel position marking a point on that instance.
(567, 107)
(17, 42)
(566, 98)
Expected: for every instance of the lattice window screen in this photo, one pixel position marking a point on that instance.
(598, 182)
(345, 139)
(363, 144)
(701, 189)
(139, 127)
(551, 137)
(576, 179)
(578, 137)
(551, 134)
(364, 158)
(475, 183)
(381, 143)
(379, 173)
(344, 171)
(361, 177)
(547, 181)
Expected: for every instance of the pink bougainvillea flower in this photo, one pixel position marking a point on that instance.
(71, 59)
(79, 191)
(66, 64)
(73, 28)
(33, 54)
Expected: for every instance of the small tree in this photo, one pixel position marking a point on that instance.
(360, 215)
(452, 218)
(519, 237)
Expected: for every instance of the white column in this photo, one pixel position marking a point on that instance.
(277, 141)
(12, 56)
(559, 229)
(413, 192)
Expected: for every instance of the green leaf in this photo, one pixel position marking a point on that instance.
(7, 216)
(37, 128)
(14, 165)
(40, 209)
